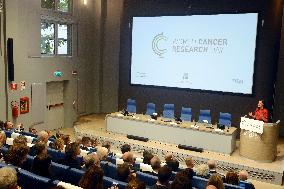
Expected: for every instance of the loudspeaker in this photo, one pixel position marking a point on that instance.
(191, 148)
(10, 55)
(137, 138)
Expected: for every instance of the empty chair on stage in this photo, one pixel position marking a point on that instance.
(204, 116)
(131, 106)
(169, 111)
(225, 119)
(151, 108)
(185, 114)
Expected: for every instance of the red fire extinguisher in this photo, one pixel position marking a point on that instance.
(15, 109)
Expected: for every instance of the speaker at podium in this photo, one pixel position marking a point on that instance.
(258, 140)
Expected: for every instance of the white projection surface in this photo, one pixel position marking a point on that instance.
(207, 52)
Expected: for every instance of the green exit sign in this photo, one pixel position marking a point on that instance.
(57, 73)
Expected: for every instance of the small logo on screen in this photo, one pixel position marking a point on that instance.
(157, 45)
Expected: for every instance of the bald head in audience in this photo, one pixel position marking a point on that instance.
(211, 164)
(169, 157)
(102, 153)
(128, 157)
(211, 187)
(243, 175)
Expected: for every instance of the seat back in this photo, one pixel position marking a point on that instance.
(185, 114)
(75, 175)
(108, 182)
(169, 111)
(27, 164)
(56, 155)
(131, 106)
(151, 108)
(225, 119)
(149, 180)
(110, 170)
(204, 115)
(59, 171)
(246, 185)
(230, 186)
(199, 182)
(28, 180)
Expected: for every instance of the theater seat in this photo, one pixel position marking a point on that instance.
(131, 106)
(55, 154)
(169, 111)
(198, 182)
(151, 108)
(27, 164)
(149, 180)
(225, 119)
(59, 171)
(230, 186)
(204, 115)
(75, 175)
(185, 114)
(108, 182)
(28, 180)
(246, 185)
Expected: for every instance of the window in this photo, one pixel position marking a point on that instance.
(56, 27)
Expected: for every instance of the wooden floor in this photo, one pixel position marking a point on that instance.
(95, 124)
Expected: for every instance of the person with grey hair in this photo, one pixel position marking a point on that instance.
(202, 171)
(243, 176)
(42, 136)
(156, 165)
(213, 169)
(102, 153)
(89, 160)
(8, 178)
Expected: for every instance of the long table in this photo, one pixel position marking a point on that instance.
(186, 133)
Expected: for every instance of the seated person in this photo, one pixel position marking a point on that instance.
(164, 176)
(243, 176)
(86, 143)
(261, 113)
(189, 167)
(8, 126)
(171, 162)
(107, 144)
(19, 128)
(135, 184)
(182, 181)
(123, 172)
(42, 161)
(58, 144)
(102, 153)
(17, 154)
(156, 165)
(71, 152)
(93, 178)
(8, 178)
(147, 156)
(32, 130)
(128, 158)
(232, 178)
(212, 169)
(125, 148)
(216, 181)
(202, 171)
(89, 160)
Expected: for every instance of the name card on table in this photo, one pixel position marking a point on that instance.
(252, 125)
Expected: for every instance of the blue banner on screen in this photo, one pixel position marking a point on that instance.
(207, 52)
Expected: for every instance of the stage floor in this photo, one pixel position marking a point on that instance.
(94, 125)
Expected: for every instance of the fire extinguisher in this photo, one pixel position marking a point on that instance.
(15, 109)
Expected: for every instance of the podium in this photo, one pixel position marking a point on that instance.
(257, 146)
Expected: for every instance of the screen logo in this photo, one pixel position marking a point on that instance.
(157, 44)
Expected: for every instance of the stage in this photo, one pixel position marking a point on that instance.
(272, 173)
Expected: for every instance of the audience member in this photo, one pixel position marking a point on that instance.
(202, 171)
(8, 126)
(243, 176)
(59, 134)
(17, 154)
(71, 152)
(8, 178)
(20, 140)
(2, 125)
(2, 139)
(89, 160)
(232, 178)
(213, 169)
(123, 172)
(125, 148)
(19, 128)
(164, 175)
(155, 164)
(86, 143)
(94, 142)
(216, 181)
(42, 136)
(135, 184)
(171, 162)
(66, 139)
(102, 153)
(147, 156)
(32, 130)
(42, 161)
(181, 181)
(189, 167)
(58, 144)
(93, 178)
(107, 145)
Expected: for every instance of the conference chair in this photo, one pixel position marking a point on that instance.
(131, 106)
(151, 108)
(149, 180)
(109, 182)
(169, 111)
(59, 171)
(199, 182)
(75, 175)
(246, 185)
(185, 114)
(28, 180)
(204, 115)
(225, 119)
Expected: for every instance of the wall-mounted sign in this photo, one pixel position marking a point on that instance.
(58, 73)
(24, 105)
(13, 86)
(23, 85)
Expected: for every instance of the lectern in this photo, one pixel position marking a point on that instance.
(258, 140)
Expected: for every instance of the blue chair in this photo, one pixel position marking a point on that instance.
(8, 133)
(246, 185)
(27, 164)
(59, 171)
(108, 182)
(169, 111)
(149, 180)
(110, 170)
(28, 180)
(199, 182)
(28, 134)
(185, 114)
(204, 115)
(4, 150)
(230, 186)
(75, 175)
(151, 108)
(225, 119)
(131, 106)
(56, 155)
